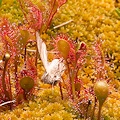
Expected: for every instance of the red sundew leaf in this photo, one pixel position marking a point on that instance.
(29, 72)
(36, 18)
(22, 40)
(32, 14)
(63, 48)
(14, 37)
(71, 57)
(4, 26)
(54, 7)
(8, 29)
(64, 37)
(99, 59)
(58, 3)
(80, 54)
(39, 17)
(3, 97)
(9, 33)
(83, 46)
(61, 2)
(8, 40)
(30, 69)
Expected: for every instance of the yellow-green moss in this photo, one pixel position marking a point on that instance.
(47, 106)
(11, 10)
(91, 18)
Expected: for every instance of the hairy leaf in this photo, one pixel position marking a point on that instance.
(22, 39)
(64, 48)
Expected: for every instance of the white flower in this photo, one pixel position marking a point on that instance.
(54, 69)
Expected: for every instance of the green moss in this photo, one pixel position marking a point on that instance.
(47, 106)
(11, 10)
(91, 18)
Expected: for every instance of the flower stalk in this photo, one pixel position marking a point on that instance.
(6, 59)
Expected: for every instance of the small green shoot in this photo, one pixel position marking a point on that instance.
(117, 11)
(0, 2)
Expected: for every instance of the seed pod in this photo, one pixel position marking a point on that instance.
(64, 48)
(6, 57)
(27, 83)
(101, 91)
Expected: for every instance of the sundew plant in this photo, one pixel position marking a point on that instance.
(56, 63)
(15, 39)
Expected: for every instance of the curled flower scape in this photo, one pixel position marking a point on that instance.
(54, 69)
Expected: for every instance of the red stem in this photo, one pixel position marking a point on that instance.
(3, 81)
(25, 95)
(99, 112)
(16, 76)
(61, 90)
(71, 78)
(93, 112)
(10, 90)
(25, 53)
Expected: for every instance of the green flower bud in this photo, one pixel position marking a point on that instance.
(101, 91)
(27, 83)
(6, 57)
